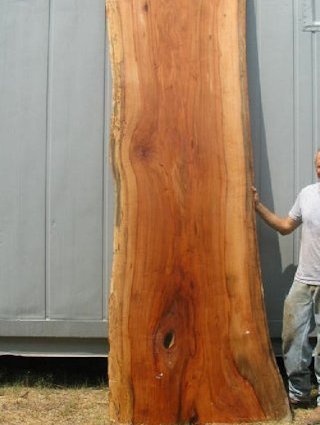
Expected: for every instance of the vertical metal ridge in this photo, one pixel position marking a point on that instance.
(47, 173)
(296, 95)
(317, 55)
(260, 130)
(315, 99)
(259, 44)
(296, 123)
(105, 179)
(314, 94)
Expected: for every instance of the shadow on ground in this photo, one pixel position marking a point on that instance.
(65, 372)
(53, 372)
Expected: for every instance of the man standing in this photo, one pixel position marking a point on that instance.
(302, 305)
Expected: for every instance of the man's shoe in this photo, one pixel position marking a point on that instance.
(299, 404)
(313, 418)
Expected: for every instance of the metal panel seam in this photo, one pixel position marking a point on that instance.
(295, 56)
(315, 94)
(104, 184)
(47, 166)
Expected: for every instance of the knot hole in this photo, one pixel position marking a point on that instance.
(168, 340)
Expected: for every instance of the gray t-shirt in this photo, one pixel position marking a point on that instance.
(306, 210)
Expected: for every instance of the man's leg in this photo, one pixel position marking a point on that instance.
(297, 351)
(316, 306)
(314, 417)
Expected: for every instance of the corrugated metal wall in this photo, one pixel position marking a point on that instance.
(284, 76)
(56, 199)
(55, 229)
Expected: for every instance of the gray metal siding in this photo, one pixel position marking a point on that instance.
(55, 207)
(56, 188)
(23, 76)
(75, 159)
(283, 59)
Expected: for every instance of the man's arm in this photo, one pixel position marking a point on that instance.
(284, 225)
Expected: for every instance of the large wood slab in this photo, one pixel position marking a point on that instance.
(188, 334)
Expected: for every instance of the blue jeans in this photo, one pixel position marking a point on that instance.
(301, 314)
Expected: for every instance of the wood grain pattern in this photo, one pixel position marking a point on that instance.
(188, 334)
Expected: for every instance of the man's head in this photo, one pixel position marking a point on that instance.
(317, 163)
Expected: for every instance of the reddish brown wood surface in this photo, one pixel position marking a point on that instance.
(188, 335)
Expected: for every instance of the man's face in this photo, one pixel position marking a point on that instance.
(318, 165)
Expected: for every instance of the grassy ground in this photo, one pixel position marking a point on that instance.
(60, 392)
(43, 406)
(53, 391)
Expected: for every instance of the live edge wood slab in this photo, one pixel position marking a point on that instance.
(188, 334)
